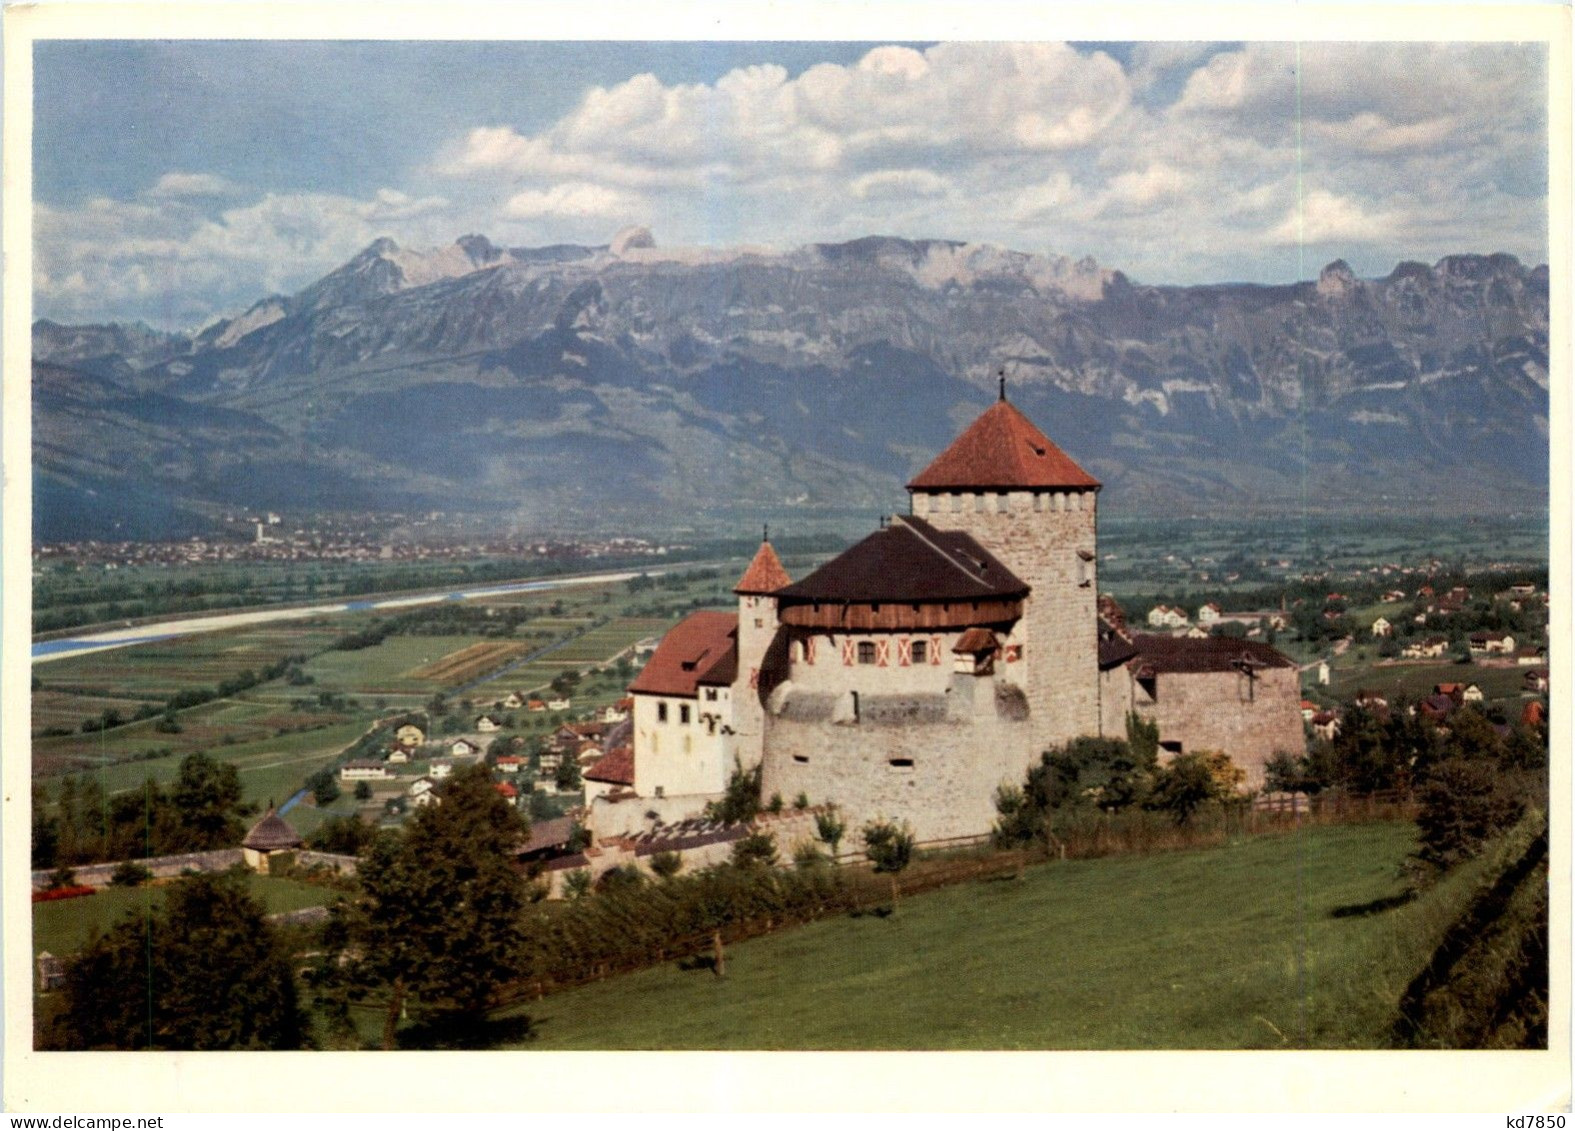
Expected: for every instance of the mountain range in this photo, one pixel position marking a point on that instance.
(633, 388)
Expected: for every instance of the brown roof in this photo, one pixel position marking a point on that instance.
(272, 834)
(910, 560)
(548, 834)
(975, 642)
(1002, 449)
(701, 648)
(765, 574)
(615, 767)
(1158, 654)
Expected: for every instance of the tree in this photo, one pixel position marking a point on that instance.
(740, 801)
(345, 836)
(203, 971)
(46, 829)
(324, 787)
(435, 921)
(1463, 804)
(830, 828)
(889, 848)
(1185, 786)
(363, 791)
(568, 775)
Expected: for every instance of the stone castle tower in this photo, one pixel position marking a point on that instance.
(757, 629)
(1024, 500)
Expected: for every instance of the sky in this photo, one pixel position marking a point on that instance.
(175, 182)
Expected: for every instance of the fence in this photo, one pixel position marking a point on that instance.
(859, 890)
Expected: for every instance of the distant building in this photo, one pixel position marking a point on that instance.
(361, 770)
(1382, 627)
(1492, 644)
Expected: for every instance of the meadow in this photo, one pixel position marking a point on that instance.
(66, 926)
(1279, 941)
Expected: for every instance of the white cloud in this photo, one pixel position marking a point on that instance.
(573, 199)
(898, 184)
(1324, 218)
(176, 185)
(1192, 163)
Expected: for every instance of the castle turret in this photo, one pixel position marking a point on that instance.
(1020, 497)
(757, 627)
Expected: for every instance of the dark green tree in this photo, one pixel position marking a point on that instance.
(46, 829)
(830, 828)
(1184, 786)
(889, 847)
(757, 850)
(1463, 804)
(202, 971)
(206, 795)
(741, 800)
(434, 925)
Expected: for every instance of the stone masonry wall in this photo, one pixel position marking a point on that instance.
(960, 746)
(1038, 535)
(1211, 711)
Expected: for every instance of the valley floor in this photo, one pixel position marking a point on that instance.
(1281, 941)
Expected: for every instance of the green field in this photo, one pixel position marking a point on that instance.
(65, 926)
(271, 768)
(1234, 947)
(1416, 680)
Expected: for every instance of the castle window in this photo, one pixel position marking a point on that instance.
(917, 649)
(661, 791)
(900, 763)
(866, 651)
(683, 713)
(710, 694)
(855, 695)
(661, 712)
(760, 622)
(801, 759)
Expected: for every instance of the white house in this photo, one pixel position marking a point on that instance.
(440, 768)
(558, 704)
(463, 748)
(398, 756)
(1209, 614)
(486, 724)
(360, 770)
(1382, 627)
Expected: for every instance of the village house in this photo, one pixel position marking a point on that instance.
(1326, 725)
(1163, 616)
(364, 770)
(559, 704)
(1382, 627)
(1209, 615)
(511, 702)
(1393, 596)
(486, 724)
(508, 763)
(1371, 701)
(1428, 648)
(930, 663)
(536, 705)
(1534, 714)
(420, 786)
(1309, 709)
(409, 736)
(440, 768)
(1492, 644)
(463, 748)
(397, 756)
(1535, 680)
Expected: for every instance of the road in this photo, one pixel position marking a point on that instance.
(47, 650)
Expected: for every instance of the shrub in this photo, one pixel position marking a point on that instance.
(577, 884)
(755, 850)
(888, 846)
(622, 877)
(666, 865)
(830, 828)
(129, 874)
(801, 802)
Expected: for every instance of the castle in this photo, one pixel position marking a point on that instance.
(933, 661)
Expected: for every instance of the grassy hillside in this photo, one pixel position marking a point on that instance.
(1278, 942)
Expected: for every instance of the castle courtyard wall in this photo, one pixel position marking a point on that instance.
(1214, 711)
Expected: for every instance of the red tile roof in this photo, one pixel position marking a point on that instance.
(765, 574)
(1001, 449)
(976, 641)
(701, 648)
(506, 790)
(910, 560)
(616, 767)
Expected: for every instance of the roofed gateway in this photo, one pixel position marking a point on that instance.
(933, 660)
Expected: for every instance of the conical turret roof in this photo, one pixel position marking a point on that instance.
(1001, 449)
(765, 574)
(272, 834)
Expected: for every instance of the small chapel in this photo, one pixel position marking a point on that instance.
(934, 660)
